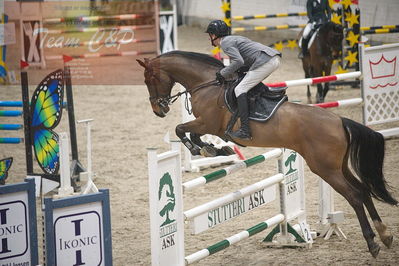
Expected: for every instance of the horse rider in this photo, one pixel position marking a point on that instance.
(319, 12)
(261, 61)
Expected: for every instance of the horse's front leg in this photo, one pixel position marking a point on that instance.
(181, 130)
(196, 128)
(207, 149)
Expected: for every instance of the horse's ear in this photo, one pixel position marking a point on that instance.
(143, 64)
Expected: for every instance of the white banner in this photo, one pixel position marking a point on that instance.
(7, 33)
(380, 69)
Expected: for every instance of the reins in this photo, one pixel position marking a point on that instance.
(169, 100)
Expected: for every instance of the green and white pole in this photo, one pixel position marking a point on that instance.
(202, 180)
(233, 239)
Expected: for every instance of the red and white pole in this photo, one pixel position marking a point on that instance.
(311, 81)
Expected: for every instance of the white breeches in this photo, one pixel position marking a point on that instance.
(253, 77)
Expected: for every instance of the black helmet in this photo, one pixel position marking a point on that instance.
(219, 28)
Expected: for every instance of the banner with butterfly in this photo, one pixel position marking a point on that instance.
(46, 112)
(5, 165)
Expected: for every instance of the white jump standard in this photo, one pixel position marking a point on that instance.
(166, 205)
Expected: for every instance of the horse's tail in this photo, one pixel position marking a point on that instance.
(366, 152)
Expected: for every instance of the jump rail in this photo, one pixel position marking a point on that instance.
(231, 169)
(311, 81)
(87, 43)
(381, 31)
(10, 126)
(11, 140)
(19, 104)
(267, 28)
(10, 113)
(234, 239)
(278, 15)
(339, 103)
(94, 18)
(96, 55)
(100, 29)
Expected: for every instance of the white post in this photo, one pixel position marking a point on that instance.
(90, 186)
(65, 175)
(166, 207)
(329, 218)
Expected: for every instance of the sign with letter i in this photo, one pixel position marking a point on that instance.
(18, 231)
(78, 230)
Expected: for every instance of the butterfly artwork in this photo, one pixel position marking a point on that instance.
(46, 111)
(5, 165)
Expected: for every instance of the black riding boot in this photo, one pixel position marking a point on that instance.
(244, 132)
(304, 47)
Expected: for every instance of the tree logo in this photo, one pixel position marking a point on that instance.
(290, 161)
(166, 189)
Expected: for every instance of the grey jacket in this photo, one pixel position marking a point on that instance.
(244, 52)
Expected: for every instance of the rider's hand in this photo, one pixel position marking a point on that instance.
(220, 78)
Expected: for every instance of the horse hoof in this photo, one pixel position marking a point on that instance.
(195, 151)
(208, 151)
(225, 151)
(388, 241)
(374, 249)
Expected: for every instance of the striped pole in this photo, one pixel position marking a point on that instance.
(93, 18)
(10, 126)
(199, 181)
(11, 140)
(87, 43)
(206, 207)
(380, 31)
(311, 81)
(339, 103)
(380, 27)
(10, 113)
(266, 28)
(17, 104)
(96, 29)
(279, 15)
(96, 55)
(234, 239)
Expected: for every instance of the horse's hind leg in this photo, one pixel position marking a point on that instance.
(320, 93)
(381, 228)
(355, 196)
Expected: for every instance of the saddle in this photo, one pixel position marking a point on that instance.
(263, 101)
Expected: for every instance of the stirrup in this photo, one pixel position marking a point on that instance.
(241, 134)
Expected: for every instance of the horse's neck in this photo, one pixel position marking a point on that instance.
(183, 72)
(323, 43)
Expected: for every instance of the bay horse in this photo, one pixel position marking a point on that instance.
(331, 145)
(326, 47)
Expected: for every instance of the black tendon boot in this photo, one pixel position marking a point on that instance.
(244, 132)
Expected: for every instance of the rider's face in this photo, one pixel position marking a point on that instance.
(215, 41)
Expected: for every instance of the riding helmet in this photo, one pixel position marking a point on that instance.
(219, 28)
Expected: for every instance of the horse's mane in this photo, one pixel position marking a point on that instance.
(330, 26)
(204, 58)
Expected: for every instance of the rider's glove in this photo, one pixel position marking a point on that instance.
(220, 78)
(242, 71)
